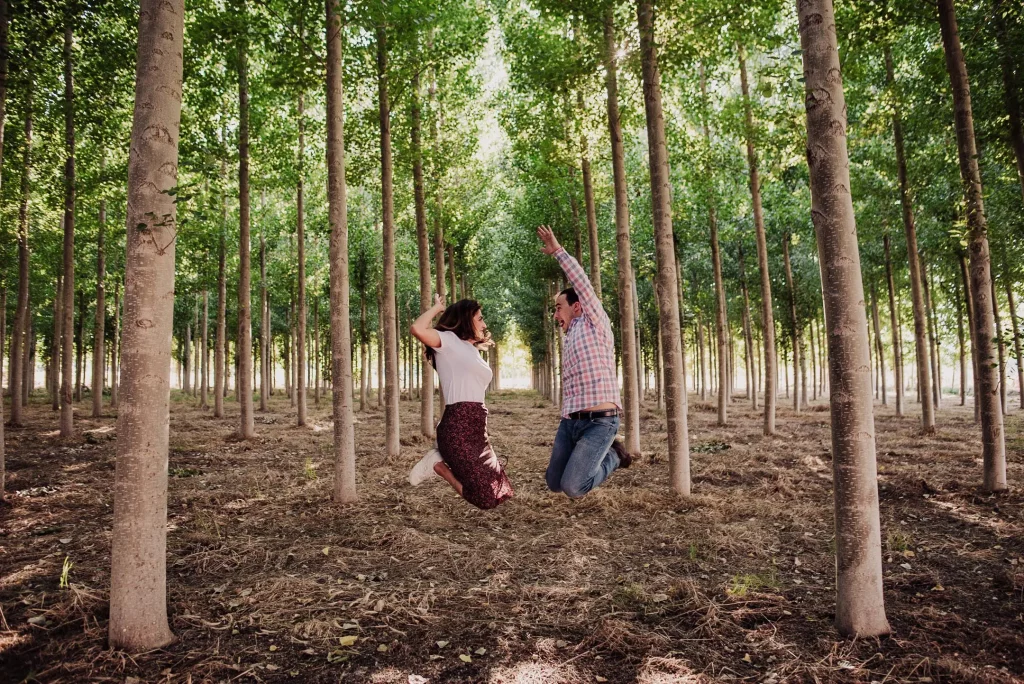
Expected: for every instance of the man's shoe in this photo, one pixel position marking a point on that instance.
(625, 459)
(424, 470)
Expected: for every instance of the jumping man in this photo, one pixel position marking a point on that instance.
(586, 451)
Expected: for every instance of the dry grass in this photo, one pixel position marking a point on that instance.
(268, 581)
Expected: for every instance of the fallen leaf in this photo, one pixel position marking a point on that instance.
(309, 651)
(417, 679)
(379, 607)
(465, 658)
(599, 678)
(938, 587)
(561, 644)
(273, 648)
(348, 640)
(246, 592)
(272, 667)
(382, 648)
(65, 540)
(480, 651)
(350, 625)
(327, 550)
(442, 644)
(905, 566)
(746, 658)
(659, 598)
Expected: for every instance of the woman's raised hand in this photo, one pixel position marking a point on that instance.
(439, 304)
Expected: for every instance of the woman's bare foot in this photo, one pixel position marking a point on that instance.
(446, 473)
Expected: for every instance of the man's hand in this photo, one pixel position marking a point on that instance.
(547, 236)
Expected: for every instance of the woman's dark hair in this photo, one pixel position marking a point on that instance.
(457, 318)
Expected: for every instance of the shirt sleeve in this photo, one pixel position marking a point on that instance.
(592, 307)
(447, 336)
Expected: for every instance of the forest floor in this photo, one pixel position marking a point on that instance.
(269, 582)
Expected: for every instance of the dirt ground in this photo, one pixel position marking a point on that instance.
(269, 582)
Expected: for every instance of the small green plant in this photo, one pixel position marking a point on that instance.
(741, 585)
(693, 551)
(897, 541)
(309, 470)
(712, 447)
(65, 571)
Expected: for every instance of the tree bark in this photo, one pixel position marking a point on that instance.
(115, 346)
(300, 238)
(21, 313)
(794, 322)
(879, 348)
(987, 390)
(933, 337)
(243, 341)
(894, 322)
(960, 341)
(316, 350)
(860, 607)
(1015, 322)
(913, 259)
(363, 353)
(767, 315)
(1000, 345)
(748, 338)
(67, 428)
(265, 363)
(220, 352)
(625, 266)
(138, 577)
(721, 315)
(204, 361)
(341, 340)
(99, 331)
(391, 370)
(668, 302)
(588, 203)
(79, 346)
(969, 301)
(423, 246)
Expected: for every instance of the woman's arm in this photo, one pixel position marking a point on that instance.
(421, 328)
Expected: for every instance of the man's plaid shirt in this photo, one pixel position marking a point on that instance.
(588, 353)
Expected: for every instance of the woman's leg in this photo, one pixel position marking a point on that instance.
(446, 473)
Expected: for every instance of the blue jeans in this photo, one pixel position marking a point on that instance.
(582, 457)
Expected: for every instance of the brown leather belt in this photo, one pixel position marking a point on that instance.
(590, 415)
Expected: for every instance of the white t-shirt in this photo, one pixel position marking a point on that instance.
(463, 373)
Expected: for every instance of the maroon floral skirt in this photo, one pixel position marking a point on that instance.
(466, 450)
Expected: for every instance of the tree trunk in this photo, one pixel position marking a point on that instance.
(703, 366)
(341, 340)
(115, 346)
(4, 54)
(27, 365)
(363, 352)
(721, 315)
(860, 608)
(814, 363)
(622, 240)
(913, 260)
(391, 369)
(767, 316)
(300, 230)
(58, 334)
(243, 341)
(588, 203)
(668, 302)
(204, 370)
(897, 336)
(423, 245)
(794, 322)
(380, 349)
(220, 352)
(67, 421)
(316, 350)
(99, 332)
(1000, 346)
(960, 341)
(879, 349)
(79, 345)
(138, 577)
(987, 390)
(969, 300)
(21, 313)
(748, 338)
(933, 337)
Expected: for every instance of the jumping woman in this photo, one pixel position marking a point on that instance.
(463, 458)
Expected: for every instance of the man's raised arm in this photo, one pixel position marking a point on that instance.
(576, 276)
